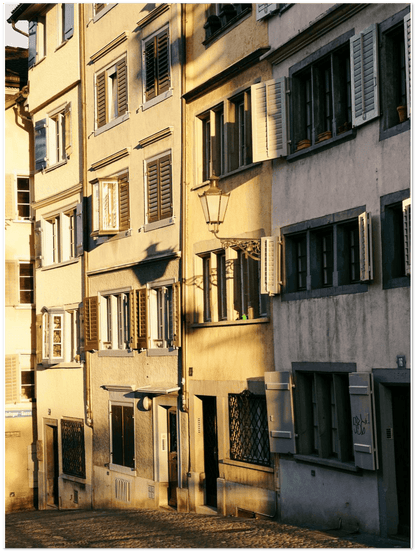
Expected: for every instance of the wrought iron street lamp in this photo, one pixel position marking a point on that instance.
(214, 203)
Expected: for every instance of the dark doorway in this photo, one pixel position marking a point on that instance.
(401, 432)
(172, 457)
(209, 411)
(52, 471)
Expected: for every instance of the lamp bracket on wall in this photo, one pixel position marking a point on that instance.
(250, 247)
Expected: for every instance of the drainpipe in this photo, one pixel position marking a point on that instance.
(18, 30)
(81, 7)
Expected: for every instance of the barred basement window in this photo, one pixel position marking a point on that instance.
(73, 448)
(249, 440)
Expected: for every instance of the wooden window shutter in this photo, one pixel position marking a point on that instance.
(122, 88)
(152, 190)
(408, 56)
(279, 402)
(407, 234)
(364, 76)
(149, 55)
(124, 203)
(12, 379)
(101, 99)
(68, 129)
(40, 145)
(363, 420)
(237, 286)
(98, 7)
(165, 187)
(33, 25)
(69, 20)
(270, 265)
(176, 288)
(366, 247)
(162, 60)
(133, 319)
(12, 283)
(91, 323)
(10, 198)
(269, 119)
(141, 305)
(39, 338)
(38, 244)
(79, 231)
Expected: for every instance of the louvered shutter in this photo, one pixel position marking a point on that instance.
(270, 265)
(38, 244)
(408, 56)
(40, 145)
(364, 76)
(141, 306)
(98, 7)
(109, 206)
(33, 25)
(152, 190)
(10, 198)
(366, 247)
(176, 315)
(165, 187)
(149, 55)
(68, 130)
(12, 379)
(12, 283)
(268, 106)
(363, 421)
(133, 319)
(407, 233)
(162, 61)
(101, 100)
(124, 203)
(69, 20)
(79, 231)
(237, 286)
(122, 88)
(280, 412)
(39, 338)
(91, 323)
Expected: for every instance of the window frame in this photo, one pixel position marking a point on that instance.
(115, 321)
(123, 405)
(121, 223)
(28, 203)
(70, 336)
(112, 79)
(60, 236)
(56, 152)
(161, 317)
(75, 447)
(30, 277)
(169, 217)
(218, 22)
(163, 94)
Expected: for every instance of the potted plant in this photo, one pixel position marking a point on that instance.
(402, 111)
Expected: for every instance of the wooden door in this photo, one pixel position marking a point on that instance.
(52, 471)
(172, 457)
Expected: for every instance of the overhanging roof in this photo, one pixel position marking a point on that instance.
(26, 12)
(162, 388)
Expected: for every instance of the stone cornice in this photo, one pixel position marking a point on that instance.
(156, 137)
(110, 159)
(110, 46)
(153, 15)
(57, 197)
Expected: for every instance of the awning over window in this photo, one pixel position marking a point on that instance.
(162, 388)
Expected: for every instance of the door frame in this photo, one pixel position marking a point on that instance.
(48, 422)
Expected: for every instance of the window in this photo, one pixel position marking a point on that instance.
(19, 378)
(56, 139)
(122, 434)
(161, 316)
(159, 188)
(394, 74)
(326, 255)
(323, 415)
(60, 336)
(395, 218)
(26, 283)
(206, 268)
(115, 320)
(247, 299)
(249, 439)
(37, 41)
(222, 16)
(27, 377)
(156, 59)
(213, 143)
(240, 154)
(221, 285)
(111, 95)
(61, 237)
(65, 22)
(23, 198)
(99, 7)
(73, 448)
(110, 205)
(266, 10)
(53, 139)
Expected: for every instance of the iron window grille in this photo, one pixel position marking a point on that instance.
(249, 440)
(73, 448)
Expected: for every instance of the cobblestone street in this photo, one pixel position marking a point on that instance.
(166, 529)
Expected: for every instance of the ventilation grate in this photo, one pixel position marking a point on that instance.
(389, 433)
(123, 490)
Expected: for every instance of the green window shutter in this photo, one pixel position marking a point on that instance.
(12, 379)
(150, 62)
(122, 89)
(152, 190)
(39, 339)
(33, 25)
(12, 283)
(176, 315)
(124, 203)
(91, 323)
(280, 412)
(101, 100)
(69, 20)
(408, 56)
(10, 198)
(141, 306)
(40, 145)
(363, 420)
(364, 76)
(162, 61)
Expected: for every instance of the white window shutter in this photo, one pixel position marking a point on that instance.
(270, 272)
(262, 10)
(11, 379)
(366, 247)
(268, 109)
(109, 215)
(364, 76)
(408, 57)
(407, 233)
(363, 420)
(78, 230)
(280, 420)
(10, 197)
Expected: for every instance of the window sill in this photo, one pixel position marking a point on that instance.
(394, 130)
(327, 144)
(227, 175)
(403, 281)
(105, 10)
(23, 306)
(74, 478)
(58, 265)
(330, 463)
(158, 99)
(228, 26)
(26, 221)
(38, 62)
(231, 323)
(246, 465)
(110, 237)
(122, 469)
(112, 123)
(46, 363)
(61, 45)
(55, 166)
(157, 224)
(162, 352)
(115, 353)
(324, 292)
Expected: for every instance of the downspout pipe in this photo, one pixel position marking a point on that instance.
(19, 30)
